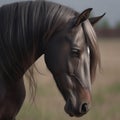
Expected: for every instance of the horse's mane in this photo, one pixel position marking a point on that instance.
(24, 25)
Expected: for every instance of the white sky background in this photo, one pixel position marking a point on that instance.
(110, 7)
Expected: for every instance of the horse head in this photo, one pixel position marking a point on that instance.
(69, 56)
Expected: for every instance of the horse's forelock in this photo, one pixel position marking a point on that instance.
(94, 48)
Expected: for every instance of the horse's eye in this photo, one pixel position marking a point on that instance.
(76, 52)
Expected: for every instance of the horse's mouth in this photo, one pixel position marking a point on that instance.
(74, 115)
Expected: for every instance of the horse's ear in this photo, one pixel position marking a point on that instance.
(83, 16)
(94, 20)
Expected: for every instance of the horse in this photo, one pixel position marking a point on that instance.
(67, 39)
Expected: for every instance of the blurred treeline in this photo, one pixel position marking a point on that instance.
(105, 30)
(106, 25)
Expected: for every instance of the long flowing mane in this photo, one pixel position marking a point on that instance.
(26, 25)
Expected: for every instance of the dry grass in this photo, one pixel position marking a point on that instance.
(106, 91)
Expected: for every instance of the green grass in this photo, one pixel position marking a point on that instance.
(114, 88)
(105, 106)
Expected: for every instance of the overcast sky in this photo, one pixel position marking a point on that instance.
(111, 7)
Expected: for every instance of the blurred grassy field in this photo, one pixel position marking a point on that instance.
(49, 104)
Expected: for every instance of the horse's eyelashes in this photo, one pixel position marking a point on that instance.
(76, 52)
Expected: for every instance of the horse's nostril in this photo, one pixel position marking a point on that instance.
(84, 108)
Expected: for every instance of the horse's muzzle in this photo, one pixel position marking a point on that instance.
(78, 110)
